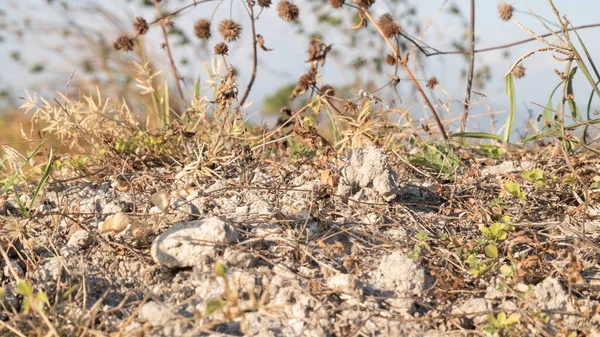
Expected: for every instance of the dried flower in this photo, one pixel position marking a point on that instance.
(505, 11)
(327, 90)
(123, 43)
(390, 59)
(364, 3)
(221, 48)
(140, 25)
(518, 71)
(388, 26)
(350, 107)
(336, 3)
(230, 30)
(287, 10)
(264, 3)
(304, 83)
(433, 81)
(202, 29)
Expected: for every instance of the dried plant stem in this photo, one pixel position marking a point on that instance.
(168, 47)
(508, 45)
(254, 55)
(465, 116)
(410, 74)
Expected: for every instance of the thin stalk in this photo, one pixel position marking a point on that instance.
(168, 47)
(254, 54)
(410, 74)
(467, 104)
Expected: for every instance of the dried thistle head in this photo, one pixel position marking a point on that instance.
(364, 3)
(221, 48)
(123, 43)
(388, 26)
(140, 25)
(390, 59)
(264, 3)
(433, 81)
(202, 29)
(230, 30)
(287, 10)
(327, 90)
(505, 11)
(350, 107)
(304, 84)
(336, 3)
(518, 71)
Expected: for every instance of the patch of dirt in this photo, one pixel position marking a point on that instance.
(365, 245)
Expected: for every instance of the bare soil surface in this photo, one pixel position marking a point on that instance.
(361, 245)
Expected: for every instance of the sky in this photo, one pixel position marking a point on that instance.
(286, 63)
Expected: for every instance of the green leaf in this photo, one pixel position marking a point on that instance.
(501, 318)
(24, 288)
(220, 269)
(572, 106)
(421, 236)
(547, 113)
(514, 318)
(69, 291)
(491, 251)
(213, 305)
(2, 292)
(44, 178)
(480, 135)
(506, 270)
(510, 91)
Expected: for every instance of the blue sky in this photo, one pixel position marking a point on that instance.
(286, 63)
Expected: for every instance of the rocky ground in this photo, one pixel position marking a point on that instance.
(362, 245)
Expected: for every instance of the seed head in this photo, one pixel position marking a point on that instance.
(388, 26)
(390, 59)
(304, 84)
(264, 3)
(140, 25)
(327, 90)
(123, 43)
(433, 81)
(287, 10)
(202, 29)
(364, 3)
(221, 48)
(518, 71)
(336, 3)
(230, 30)
(505, 11)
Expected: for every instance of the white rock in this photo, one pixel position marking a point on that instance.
(156, 314)
(182, 244)
(79, 240)
(342, 282)
(368, 168)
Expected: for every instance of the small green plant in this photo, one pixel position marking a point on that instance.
(437, 157)
(477, 265)
(499, 324)
(421, 243)
(496, 231)
(595, 182)
(31, 301)
(536, 176)
(514, 189)
(298, 151)
(491, 150)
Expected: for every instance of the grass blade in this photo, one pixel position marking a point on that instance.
(480, 135)
(572, 106)
(510, 91)
(11, 181)
(44, 178)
